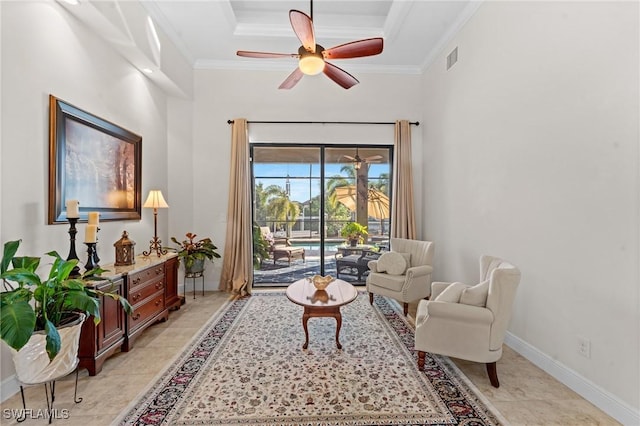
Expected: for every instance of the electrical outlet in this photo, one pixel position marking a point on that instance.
(584, 347)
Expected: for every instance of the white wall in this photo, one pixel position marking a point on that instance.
(45, 51)
(223, 95)
(532, 154)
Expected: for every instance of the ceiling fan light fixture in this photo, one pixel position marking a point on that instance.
(311, 63)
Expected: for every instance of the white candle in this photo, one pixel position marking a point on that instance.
(73, 210)
(90, 234)
(94, 218)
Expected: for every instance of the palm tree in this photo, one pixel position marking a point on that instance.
(280, 208)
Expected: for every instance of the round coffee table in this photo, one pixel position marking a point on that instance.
(321, 303)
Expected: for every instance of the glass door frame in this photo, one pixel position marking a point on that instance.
(322, 147)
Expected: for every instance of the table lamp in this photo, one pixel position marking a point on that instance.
(155, 201)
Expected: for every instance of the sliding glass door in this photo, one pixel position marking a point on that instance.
(305, 197)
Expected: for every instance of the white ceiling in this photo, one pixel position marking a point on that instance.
(209, 32)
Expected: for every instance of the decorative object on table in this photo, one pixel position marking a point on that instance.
(155, 201)
(72, 216)
(354, 233)
(93, 218)
(93, 157)
(193, 253)
(125, 253)
(91, 240)
(91, 252)
(320, 282)
(37, 309)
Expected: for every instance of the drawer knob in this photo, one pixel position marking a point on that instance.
(136, 316)
(158, 302)
(159, 285)
(159, 271)
(136, 296)
(136, 280)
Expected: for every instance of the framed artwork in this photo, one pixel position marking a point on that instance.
(93, 161)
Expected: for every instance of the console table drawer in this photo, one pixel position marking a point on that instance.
(146, 311)
(146, 275)
(141, 292)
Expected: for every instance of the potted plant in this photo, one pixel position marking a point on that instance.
(34, 311)
(193, 253)
(260, 246)
(354, 233)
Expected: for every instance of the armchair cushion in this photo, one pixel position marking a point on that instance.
(393, 263)
(476, 295)
(452, 293)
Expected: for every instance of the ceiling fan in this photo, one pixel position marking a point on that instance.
(313, 57)
(358, 161)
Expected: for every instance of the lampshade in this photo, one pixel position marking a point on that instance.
(155, 200)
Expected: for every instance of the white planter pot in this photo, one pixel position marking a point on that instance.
(32, 362)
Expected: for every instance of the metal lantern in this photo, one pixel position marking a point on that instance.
(124, 250)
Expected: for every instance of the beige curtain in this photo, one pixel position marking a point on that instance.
(403, 221)
(237, 265)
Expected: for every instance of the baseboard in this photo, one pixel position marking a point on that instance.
(604, 400)
(9, 387)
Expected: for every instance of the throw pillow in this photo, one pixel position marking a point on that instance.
(452, 293)
(476, 295)
(392, 263)
(407, 257)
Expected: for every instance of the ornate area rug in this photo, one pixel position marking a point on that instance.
(247, 367)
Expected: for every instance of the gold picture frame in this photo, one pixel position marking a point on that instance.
(93, 161)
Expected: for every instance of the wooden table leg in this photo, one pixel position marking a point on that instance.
(305, 318)
(338, 318)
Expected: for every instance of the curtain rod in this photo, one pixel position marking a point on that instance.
(413, 123)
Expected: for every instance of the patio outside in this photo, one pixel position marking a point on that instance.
(287, 200)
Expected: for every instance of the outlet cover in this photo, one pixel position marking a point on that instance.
(584, 347)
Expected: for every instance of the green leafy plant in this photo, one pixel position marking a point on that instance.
(354, 231)
(33, 304)
(190, 250)
(260, 246)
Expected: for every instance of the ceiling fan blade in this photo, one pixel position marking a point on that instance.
(373, 158)
(292, 80)
(249, 54)
(303, 27)
(348, 157)
(355, 49)
(340, 76)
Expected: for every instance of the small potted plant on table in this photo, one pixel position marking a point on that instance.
(193, 253)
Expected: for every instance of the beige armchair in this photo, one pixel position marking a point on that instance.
(404, 273)
(469, 322)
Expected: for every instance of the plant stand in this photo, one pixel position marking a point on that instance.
(193, 276)
(33, 366)
(51, 388)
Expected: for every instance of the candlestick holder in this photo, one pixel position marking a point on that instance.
(75, 272)
(96, 259)
(91, 251)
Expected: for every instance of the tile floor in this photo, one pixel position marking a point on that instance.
(527, 395)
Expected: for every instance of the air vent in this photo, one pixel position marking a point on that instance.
(452, 58)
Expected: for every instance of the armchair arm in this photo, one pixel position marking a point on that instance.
(437, 287)
(418, 271)
(373, 265)
(459, 312)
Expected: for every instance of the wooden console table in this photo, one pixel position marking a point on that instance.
(151, 287)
